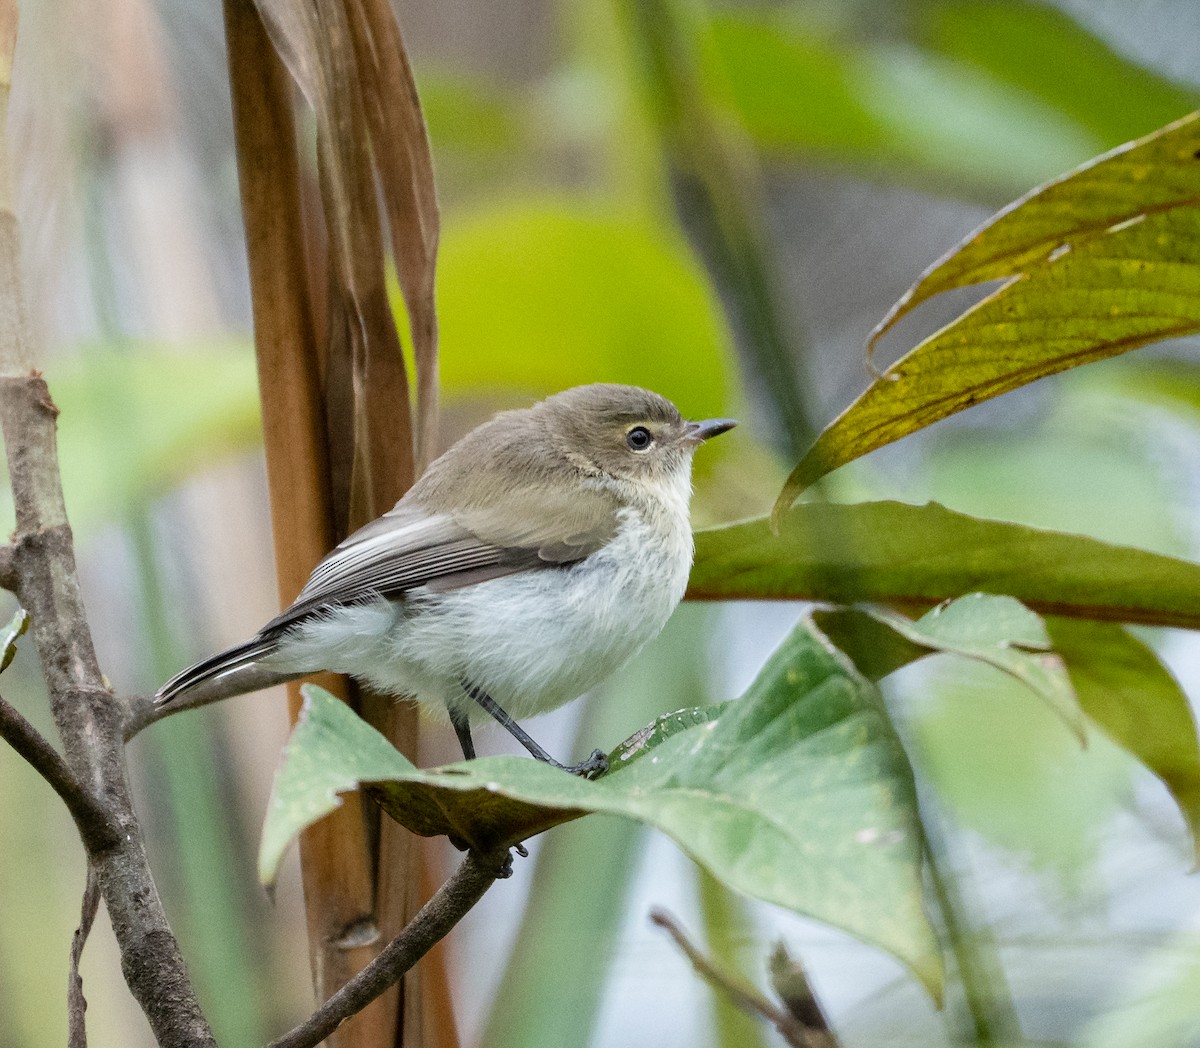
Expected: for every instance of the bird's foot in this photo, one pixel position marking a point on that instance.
(592, 768)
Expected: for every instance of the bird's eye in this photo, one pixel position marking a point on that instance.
(638, 438)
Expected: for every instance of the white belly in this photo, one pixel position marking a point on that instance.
(532, 641)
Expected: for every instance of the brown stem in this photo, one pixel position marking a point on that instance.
(89, 718)
(142, 711)
(435, 919)
(334, 856)
(76, 1005)
(95, 826)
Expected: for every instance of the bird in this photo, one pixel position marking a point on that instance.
(528, 563)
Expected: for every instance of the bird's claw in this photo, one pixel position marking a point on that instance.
(592, 768)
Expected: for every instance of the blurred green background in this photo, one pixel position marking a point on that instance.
(716, 200)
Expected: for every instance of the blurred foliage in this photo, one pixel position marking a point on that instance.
(1044, 53)
(1009, 769)
(887, 109)
(1158, 1002)
(137, 420)
(537, 297)
(1124, 689)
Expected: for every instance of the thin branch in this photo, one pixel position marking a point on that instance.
(448, 906)
(741, 994)
(95, 825)
(76, 1005)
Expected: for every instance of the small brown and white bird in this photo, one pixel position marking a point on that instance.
(528, 563)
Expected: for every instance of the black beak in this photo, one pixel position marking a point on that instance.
(698, 432)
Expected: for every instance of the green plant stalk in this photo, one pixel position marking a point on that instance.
(634, 171)
(990, 1010)
(723, 913)
(554, 981)
(716, 190)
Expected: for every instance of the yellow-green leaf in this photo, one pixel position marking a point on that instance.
(1102, 261)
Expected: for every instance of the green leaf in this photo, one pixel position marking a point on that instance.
(1101, 261)
(798, 794)
(918, 556)
(662, 728)
(15, 629)
(1001, 632)
(876, 649)
(1127, 691)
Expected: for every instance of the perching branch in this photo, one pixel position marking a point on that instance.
(96, 828)
(90, 719)
(448, 906)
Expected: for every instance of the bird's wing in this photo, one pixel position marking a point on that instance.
(410, 547)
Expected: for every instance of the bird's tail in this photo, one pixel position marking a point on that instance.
(232, 672)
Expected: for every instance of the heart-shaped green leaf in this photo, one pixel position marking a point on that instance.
(994, 629)
(799, 794)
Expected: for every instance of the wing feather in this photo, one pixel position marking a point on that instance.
(410, 547)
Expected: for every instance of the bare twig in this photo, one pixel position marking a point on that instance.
(435, 919)
(96, 827)
(89, 718)
(76, 1005)
(740, 993)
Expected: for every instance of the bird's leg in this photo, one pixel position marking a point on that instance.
(595, 766)
(462, 728)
